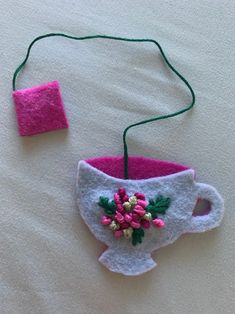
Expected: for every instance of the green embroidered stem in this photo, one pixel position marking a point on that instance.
(125, 147)
(137, 236)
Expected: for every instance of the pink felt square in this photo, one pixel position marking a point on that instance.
(40, 109)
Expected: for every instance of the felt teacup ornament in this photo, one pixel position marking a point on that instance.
(134, 205)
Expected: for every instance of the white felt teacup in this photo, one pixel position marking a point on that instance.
(175, 182)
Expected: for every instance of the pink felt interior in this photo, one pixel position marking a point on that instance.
(40, 109)
(139, 167)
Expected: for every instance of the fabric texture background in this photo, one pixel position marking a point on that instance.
(48, 257)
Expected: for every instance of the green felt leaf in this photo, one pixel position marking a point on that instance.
(137, 236)
(109, 206)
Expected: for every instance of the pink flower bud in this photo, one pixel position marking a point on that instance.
(118, 233)
(140, 196)
(135, 217)
(124, 225)
(134, 224)
(128, 217)
(139, 210)
(120, 208)
(142, 203)
(119, 217)
(158, 223)
(121, 192)
(125, 198)
(106, 220)
(116, 198)
(145, 224)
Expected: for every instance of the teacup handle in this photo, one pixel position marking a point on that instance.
(215, 215)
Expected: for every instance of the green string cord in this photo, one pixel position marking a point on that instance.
(188, 107)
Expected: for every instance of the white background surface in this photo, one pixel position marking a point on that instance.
(48, 258)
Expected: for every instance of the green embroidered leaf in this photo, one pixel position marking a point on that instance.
(137, 236)
(152, 211)
(159, 206)
(162, 204)
(109, 206)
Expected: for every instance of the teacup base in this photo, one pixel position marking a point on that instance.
(126, 262)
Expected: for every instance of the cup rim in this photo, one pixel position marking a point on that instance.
(185, 170)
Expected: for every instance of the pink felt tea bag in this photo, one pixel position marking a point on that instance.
(40, 109)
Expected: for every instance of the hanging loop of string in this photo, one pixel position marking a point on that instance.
(167, 62)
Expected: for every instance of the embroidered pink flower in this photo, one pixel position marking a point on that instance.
(159, 223)
(128, 216)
